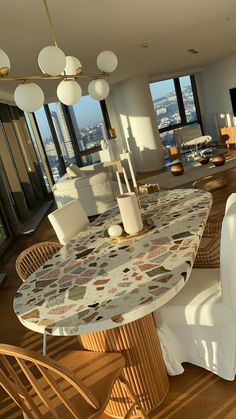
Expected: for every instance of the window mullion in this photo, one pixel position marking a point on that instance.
(180, 101)
(55, 139)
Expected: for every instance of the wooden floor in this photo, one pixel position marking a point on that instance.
(196, 394)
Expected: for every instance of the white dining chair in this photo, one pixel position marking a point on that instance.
(198, 325)
(68, 221)
(230, 201)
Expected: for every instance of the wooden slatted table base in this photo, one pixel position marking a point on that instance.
(145, 370)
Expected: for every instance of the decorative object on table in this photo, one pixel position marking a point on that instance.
(88, 376)
(148, 188)
(115, 230)
(56, 66)
(104, 145)
(130, 213)
(147, 226)
(218, 160)
(119, 170)
(177, 168)
(204, 160)
(211, 183)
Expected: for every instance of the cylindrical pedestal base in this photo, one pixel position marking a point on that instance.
(145, 370)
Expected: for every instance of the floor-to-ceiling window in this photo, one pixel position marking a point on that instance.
(69, 134)
(53, 151)
(89, 126)
(176, 105)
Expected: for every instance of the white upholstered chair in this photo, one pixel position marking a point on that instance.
(68, 221)
(198, 325)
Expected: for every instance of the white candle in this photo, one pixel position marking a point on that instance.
(130, 214)
(119, 182)
(132, 173)
(126, 180)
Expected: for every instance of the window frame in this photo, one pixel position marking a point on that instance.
(180, 102)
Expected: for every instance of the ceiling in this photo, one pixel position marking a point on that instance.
(86, 27)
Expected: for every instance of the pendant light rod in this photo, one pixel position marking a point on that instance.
(51, 23)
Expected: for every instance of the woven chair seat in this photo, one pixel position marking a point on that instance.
(208, 255)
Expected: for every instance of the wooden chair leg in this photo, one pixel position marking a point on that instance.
(134, 399)
(44, 343)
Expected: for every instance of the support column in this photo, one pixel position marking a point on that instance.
(132, 114)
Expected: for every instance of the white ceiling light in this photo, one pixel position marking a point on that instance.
(29, 97)
(69, 92)
(52, 61)
(56, 66)
(98, 89)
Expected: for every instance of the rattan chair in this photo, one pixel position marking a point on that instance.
(208, 255)
(31, 259)
(77, 385)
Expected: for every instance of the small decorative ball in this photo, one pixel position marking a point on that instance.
(115, 230)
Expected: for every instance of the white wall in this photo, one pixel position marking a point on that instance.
(213, 86)
(131, 111)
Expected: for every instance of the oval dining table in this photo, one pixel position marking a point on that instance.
(106, 291)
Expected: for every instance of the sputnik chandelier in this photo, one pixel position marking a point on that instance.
(56, 66)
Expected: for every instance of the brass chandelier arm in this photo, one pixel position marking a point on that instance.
(51, 24)
(60, 77)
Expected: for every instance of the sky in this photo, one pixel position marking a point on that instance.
(162, 88)
(87, 112)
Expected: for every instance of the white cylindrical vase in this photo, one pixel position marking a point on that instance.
(130, 213)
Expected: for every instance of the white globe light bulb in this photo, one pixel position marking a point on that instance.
(69, 92)
(4, 64)
(107, 61)
(29, 97)
(52, 60)
(73, 66)
(98, 89)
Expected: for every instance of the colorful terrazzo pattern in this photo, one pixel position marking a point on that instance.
(95, 284)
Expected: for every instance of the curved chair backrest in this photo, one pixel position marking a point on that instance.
(231, 199)
(50, 390)
(79, 386)
(227, 256)
(32, 258)
(68, 221)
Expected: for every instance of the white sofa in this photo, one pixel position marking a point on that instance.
(95, 189)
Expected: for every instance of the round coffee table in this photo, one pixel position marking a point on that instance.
(211, 183)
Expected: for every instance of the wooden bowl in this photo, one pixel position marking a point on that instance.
(204, 160)
(218, 160)
(177, 169)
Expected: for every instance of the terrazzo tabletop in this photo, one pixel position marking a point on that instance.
(95, 284)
